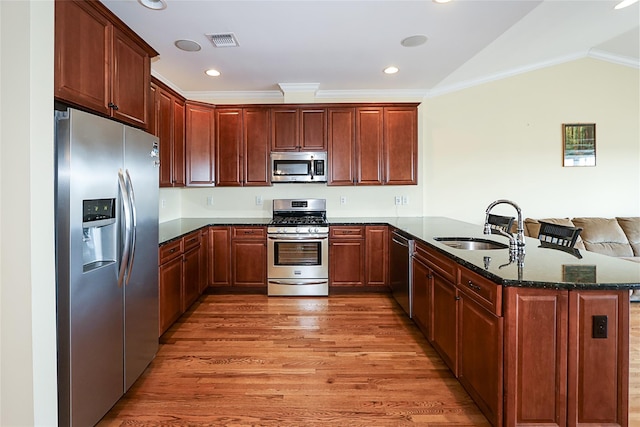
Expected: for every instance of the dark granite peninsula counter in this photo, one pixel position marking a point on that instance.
(177, 228)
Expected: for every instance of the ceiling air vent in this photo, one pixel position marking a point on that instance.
(223, 40)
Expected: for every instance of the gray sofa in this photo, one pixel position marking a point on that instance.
(617, 237)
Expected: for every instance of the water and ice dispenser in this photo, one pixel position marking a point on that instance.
(99, 233)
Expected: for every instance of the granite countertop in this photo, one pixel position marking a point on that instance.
(542, 267)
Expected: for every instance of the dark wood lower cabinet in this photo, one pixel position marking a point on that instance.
(346, 256)
(219, 256)
(249, 256)
(170, 293)
(444, 309)
(480, 356)
(422, 284)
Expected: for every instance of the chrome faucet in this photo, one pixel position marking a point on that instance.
(516, 244)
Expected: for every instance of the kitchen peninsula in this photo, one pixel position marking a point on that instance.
(544, 341)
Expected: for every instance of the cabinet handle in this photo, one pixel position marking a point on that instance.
(172, 250)
(472, 286)
(457, 298)
(113, 106)
(430, 276)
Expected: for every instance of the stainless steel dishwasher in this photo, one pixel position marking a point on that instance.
(400, 270)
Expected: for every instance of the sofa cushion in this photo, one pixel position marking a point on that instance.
(532, 228)
(604, 236)
(631, 227)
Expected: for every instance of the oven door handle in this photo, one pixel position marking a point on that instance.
(281, 282)
(312, 237)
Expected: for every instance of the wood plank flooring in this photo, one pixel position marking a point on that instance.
(356, 360)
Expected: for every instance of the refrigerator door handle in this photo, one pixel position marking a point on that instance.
(127, 228)
(134, 223)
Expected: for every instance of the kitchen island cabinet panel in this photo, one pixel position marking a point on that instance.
(444, 311)
(598, 358)
(535, 361)
(422, 285)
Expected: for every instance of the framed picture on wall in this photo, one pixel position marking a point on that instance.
(579, 144)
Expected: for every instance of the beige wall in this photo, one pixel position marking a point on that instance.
(27, 287)
(497, 140)
(504, 140)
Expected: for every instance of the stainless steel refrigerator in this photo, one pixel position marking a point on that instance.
(106, 261)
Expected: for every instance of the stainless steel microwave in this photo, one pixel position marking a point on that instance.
(299, 166)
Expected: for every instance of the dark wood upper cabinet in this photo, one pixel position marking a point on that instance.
(401, 145)
(229, 146)
(341, 146)
(167, 123)
(298, 128)
(256, 149)
(369, 145)
(200, 138)
(100, 64)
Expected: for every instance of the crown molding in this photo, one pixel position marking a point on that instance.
(613, 58)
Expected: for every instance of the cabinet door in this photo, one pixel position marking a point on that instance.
(313, 129)
(444, 308)
(535, 359)
(369, 146)
(170, 293)
(346, 262)
(164, 105)
(400, 145)
(82, 55)
(284, 129)
(200, 151)
(377, 255)
(480, 357)
(598, 366)
(341, 146)
(257, 147)
(229, 147)
(178, 144)
(249, 263)
(220, 256)
(422, 287)
(204, 260)
(191, 277)
(130, 79)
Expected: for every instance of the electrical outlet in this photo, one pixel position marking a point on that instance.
(209, 200)
(405, 200)
(343, 200)
(259, 201)
(163, 203)
(398, 200)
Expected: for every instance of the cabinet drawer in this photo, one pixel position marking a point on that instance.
(170, 250)
(485, 292)
(347, 232)
(191, 241)
(249, 232)
(445, 267)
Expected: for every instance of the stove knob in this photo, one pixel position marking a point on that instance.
(313, 230)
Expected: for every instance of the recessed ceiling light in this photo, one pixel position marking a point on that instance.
(187, 45)
(413, 41)
(441, 1)
(625, 3)
(391, 70)
(212, 73)
(154, 4)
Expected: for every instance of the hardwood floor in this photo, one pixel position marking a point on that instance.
(240, 360)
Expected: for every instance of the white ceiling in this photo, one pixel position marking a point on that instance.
(345, 45)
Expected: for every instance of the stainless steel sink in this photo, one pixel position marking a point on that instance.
(471, 243)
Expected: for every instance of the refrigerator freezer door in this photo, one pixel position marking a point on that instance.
(90, 311)
(141, 288)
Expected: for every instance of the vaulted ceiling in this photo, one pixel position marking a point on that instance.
(345, 45)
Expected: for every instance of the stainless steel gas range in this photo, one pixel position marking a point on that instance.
(298, 248)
